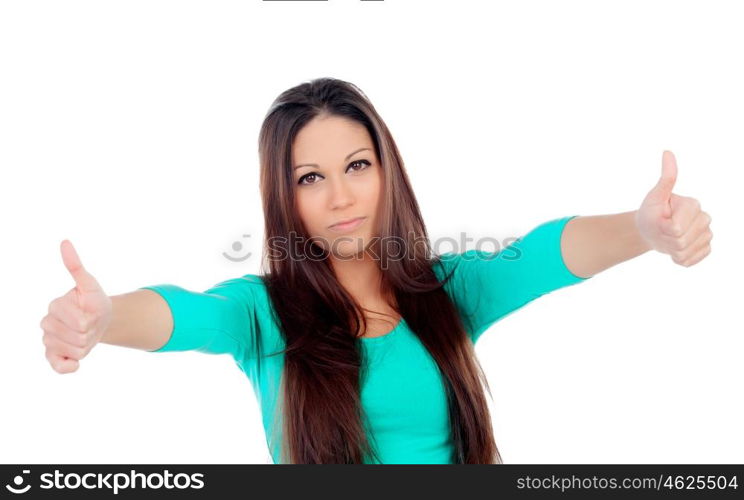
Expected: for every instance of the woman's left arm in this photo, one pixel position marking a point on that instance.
(665, 222)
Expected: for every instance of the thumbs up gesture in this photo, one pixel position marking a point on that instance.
(674, 224)
(76, 321)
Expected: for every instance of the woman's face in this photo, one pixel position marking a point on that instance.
(343, 182)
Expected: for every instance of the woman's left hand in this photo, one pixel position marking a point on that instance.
(673, 224)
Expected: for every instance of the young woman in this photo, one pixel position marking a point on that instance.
(358, 341)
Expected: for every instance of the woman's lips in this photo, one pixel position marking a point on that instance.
(347, 226)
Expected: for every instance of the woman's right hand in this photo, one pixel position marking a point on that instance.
(77, 320)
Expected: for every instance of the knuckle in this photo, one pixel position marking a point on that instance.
(78, 352)
(51, 326)
(51, 358)
(53, 363)
(71, 351)
(55, 307)
(683, 257)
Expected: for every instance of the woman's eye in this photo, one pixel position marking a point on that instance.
(362, 162)
(305, 177)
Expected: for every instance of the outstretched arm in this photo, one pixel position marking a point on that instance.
(591, 244)
(665, 222)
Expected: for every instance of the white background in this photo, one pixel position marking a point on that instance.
(131, 129)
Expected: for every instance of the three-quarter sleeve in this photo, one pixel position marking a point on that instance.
(220, 320)
(486, 286)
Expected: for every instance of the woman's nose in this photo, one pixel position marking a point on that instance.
(341, 193)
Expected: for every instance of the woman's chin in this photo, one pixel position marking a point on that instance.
(349, 249)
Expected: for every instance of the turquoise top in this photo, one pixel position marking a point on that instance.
(403, 395)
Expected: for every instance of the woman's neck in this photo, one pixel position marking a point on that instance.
(361, 278)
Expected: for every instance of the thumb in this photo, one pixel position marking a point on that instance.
(663, 189)
(84, 281)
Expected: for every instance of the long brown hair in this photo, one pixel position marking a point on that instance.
(323, 418)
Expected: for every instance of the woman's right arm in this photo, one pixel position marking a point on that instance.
(140, 319)
(158, 318)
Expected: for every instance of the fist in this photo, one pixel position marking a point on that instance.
(75, 321)
(672, 224)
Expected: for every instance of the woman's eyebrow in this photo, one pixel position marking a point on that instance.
(316, 165)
